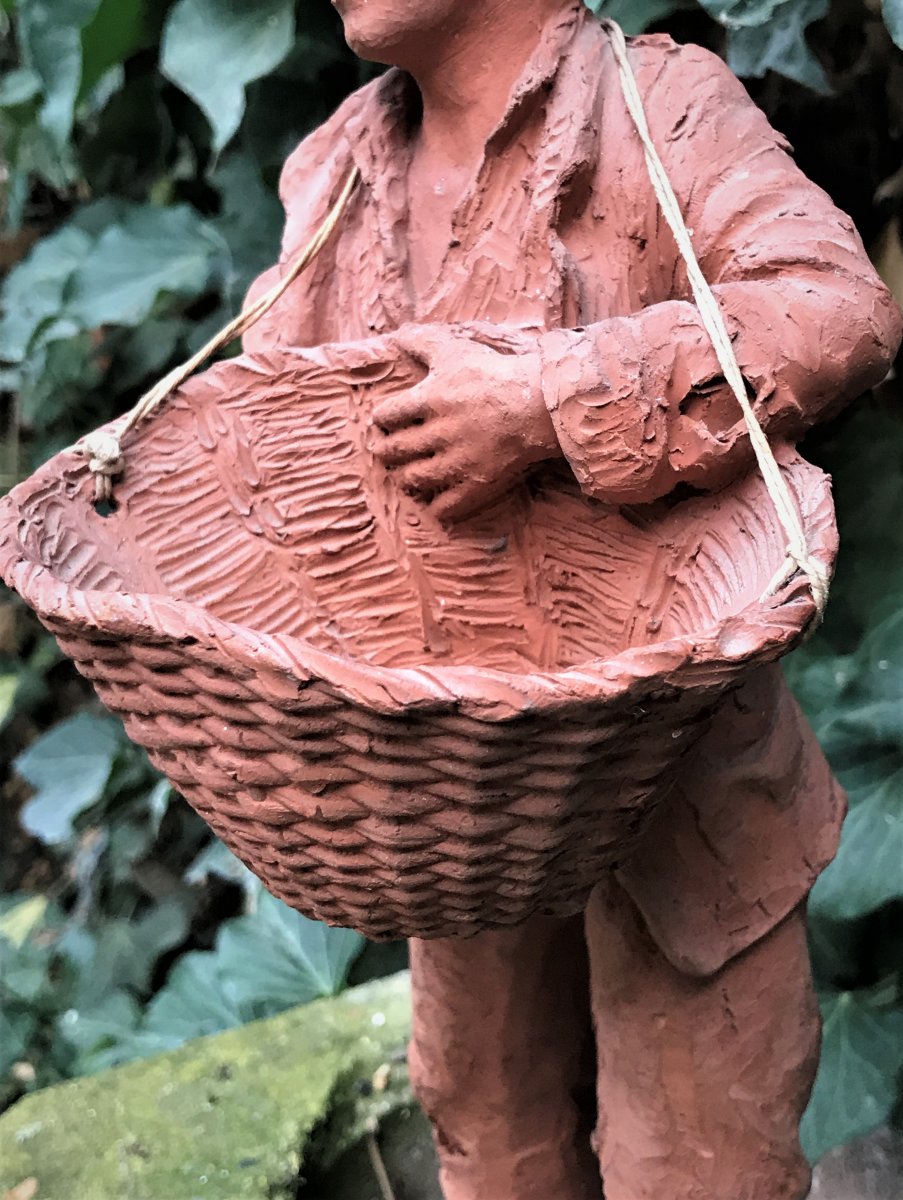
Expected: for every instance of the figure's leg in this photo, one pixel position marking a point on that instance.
(701, 1081)
(502, 1040)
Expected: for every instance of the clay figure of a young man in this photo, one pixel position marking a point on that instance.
(503, 182)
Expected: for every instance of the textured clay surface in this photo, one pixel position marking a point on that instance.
(443, 603)
(334, 679)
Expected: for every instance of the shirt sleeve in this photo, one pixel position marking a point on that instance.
(638, 401)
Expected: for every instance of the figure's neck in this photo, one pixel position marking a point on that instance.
(465, 86)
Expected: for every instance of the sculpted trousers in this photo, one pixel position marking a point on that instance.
(701, 1082)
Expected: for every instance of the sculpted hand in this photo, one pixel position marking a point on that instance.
(471, 428)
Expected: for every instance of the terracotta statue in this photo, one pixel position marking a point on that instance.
(504, 183)
(478, 477)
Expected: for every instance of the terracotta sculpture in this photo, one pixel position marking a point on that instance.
(504, 184)
(483, 447)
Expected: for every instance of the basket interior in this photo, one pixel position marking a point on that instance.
(252, 494)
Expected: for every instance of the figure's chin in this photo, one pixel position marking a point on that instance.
(367, 50)
(379, 46)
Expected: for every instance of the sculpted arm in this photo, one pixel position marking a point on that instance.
(638, 402)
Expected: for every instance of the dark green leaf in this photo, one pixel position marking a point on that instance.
(24, 971)
(779, 44)
(158, 801)
(61, 366)
(818, 680)
(635, 16)
(126, 952)
(862, 1051)
(868, 870)
(195, 1001)
(33, 293)
(50, 36)
(739, 14)
(213, 48)
(216, 859)
(892, 11)
(143, 353)
(250, 223)
(111, 1021)
(152, 253)
(69, 767)
(264, 962)
(18, 87)
(115, 31)
(17, 1027)
(275, 957)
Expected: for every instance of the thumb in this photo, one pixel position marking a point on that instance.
(423, 343)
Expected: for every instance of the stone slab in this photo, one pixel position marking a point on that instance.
(223, 1118)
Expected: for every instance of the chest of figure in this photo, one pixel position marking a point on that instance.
(505, 258)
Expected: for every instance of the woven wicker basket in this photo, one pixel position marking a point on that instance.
(340, 687)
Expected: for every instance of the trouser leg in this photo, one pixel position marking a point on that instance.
(701, 1081)
(500, 1040)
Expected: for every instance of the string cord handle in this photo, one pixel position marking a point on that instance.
(799, 556)
(103, 447)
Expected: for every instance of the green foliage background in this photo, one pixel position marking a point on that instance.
(143, 141)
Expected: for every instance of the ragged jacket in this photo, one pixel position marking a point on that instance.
(560, 235)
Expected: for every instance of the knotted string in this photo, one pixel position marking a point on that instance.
(103, 447)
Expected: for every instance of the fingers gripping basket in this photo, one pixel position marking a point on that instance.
(400, 728)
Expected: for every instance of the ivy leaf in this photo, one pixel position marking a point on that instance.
(125, 952)
(152, 252)
(193, 1003)
(9, 685)
(868, 869)
(212, 49)
(275, 957)
(19, 87)
(115, 31)
(739, 14)
(157, 802)
(109, 1023)
(892, 11)
(69, 767)
(218, 860)
(17, 1026)
(20, 918)
(33, 292)
(862, 1052)
(50, 38)
(779, 44)
(635, 16)
(862, 711)
(263, 963)
(250, 222)
(60, 367)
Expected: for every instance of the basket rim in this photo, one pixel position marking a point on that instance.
(761, 632)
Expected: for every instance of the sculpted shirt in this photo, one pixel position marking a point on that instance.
(560, 235)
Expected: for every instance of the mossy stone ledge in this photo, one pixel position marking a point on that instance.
(223, 1117)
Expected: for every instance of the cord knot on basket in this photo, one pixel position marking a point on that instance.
(105, 462)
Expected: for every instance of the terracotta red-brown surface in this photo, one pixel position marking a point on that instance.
(406, 602)
(336, 682)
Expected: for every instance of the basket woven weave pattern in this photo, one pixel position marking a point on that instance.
(422, 825)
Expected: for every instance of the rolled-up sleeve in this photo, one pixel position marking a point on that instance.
(638, 401)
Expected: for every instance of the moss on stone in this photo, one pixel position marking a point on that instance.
(222, 1118)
